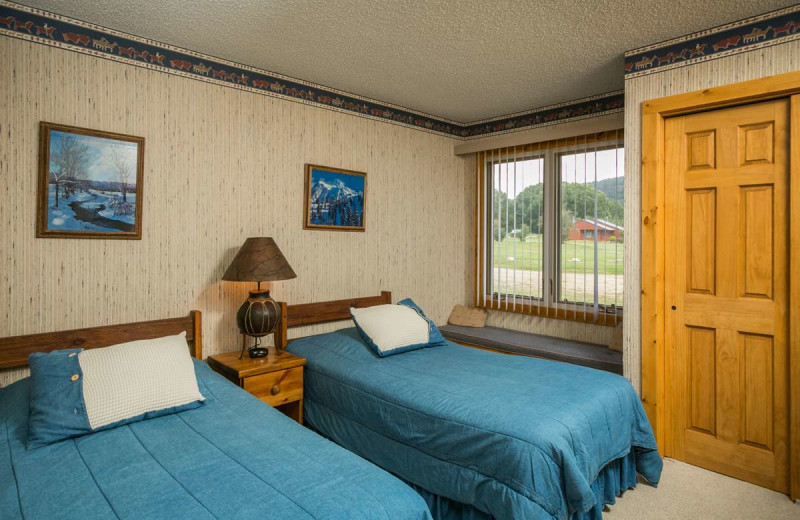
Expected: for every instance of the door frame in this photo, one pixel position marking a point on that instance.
(653, 182)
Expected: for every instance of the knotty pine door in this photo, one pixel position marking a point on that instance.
(726, 291)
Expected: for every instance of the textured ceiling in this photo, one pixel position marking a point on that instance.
(464, 60)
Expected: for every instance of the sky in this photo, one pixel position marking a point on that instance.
(516, 176)
(577, 168)
(354, 182)
(101, 163)
(580, 168)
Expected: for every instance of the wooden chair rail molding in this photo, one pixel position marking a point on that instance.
(322, 312)
(654, 250)
(14, 350)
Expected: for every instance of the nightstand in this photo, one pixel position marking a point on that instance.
(276, 379)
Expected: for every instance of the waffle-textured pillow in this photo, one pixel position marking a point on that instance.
(392, 329)
(466, 317)
(75, 392)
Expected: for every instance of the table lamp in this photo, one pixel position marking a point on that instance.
(258, 260)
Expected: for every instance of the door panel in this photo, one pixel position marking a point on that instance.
(702, 152)
(756, 383)
(756, 143)
(726, 274)
(756, 268)
(701, 220)
(702, 389)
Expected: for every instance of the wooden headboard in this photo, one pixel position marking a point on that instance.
(322, 312)
(14, 351)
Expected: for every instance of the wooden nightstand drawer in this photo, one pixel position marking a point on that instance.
(277, 388)
(276, 379)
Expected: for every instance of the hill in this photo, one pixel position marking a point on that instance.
(613, 188)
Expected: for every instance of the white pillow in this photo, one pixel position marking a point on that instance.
(390, 329)
(130, 379)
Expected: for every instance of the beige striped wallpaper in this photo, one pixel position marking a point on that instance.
(220, 165)
(731, 69)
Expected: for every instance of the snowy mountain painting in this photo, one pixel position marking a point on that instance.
(334, 198)
(91, 184)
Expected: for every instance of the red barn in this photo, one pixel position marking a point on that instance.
(585, 229)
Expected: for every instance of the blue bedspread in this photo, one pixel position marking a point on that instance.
(516, 437)
(234, 457)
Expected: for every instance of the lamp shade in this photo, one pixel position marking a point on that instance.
(259, 260)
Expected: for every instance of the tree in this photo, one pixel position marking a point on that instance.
(580, 200)
(499, 229)
(499, 209)
(567, 221)
(123, 165)
(524, 212)
(528, 208)
(523, 233)
(69, 159)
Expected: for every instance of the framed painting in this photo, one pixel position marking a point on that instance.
(335, 199)
(90, 183)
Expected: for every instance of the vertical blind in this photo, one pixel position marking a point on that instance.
(549, 228)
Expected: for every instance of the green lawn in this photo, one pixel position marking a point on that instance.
(577, 256)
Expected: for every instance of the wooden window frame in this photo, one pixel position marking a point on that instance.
(653, 247)
(529, 305)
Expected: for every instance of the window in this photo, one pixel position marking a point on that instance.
(550, 228)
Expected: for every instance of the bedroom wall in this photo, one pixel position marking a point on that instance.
(735, 68)
(220, 165)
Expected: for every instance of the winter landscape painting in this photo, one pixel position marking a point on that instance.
(89, 183)
(334, 199)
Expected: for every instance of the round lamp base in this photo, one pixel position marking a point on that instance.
(258, 352)
(258, 315)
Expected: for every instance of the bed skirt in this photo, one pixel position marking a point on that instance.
(616, 477)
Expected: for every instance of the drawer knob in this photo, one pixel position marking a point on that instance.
(275, 390)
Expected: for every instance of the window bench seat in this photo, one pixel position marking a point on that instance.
(527, 344)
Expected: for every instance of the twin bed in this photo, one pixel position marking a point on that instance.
(477, 435)
(233, 457)
(480, 435)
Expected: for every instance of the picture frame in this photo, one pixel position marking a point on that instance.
(334, 199)
(90, 183)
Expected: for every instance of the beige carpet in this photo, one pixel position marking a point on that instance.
(689, 492)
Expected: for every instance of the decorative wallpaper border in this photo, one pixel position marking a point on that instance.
(584, 108)
(772, 28)
(47, 28)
